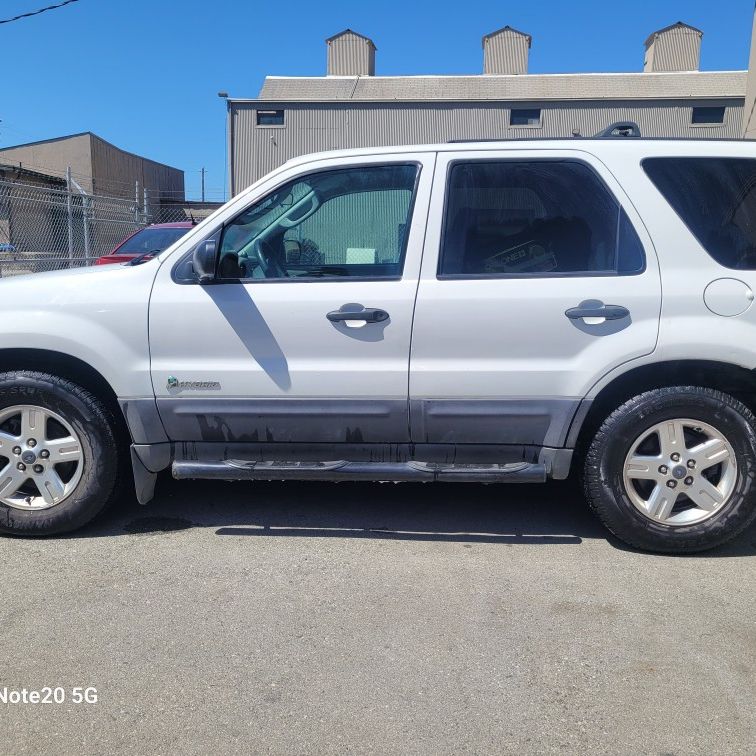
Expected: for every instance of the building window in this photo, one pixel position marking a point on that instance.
(708, 116)
(508, 219)
(270, 118)
(525, 117)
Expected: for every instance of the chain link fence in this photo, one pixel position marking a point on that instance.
(44, 227)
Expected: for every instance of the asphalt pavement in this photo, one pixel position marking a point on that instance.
(309, 618)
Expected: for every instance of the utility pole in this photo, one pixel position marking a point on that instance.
(203, 183)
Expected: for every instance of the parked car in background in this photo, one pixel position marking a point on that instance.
(152, 239)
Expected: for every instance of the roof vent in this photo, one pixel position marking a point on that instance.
(506, 51)
(350, 54)
(674, 48)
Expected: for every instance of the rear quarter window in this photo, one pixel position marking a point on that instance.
(716, 199)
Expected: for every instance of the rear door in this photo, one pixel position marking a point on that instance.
(538, 278)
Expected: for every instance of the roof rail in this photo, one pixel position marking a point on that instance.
(623, 129)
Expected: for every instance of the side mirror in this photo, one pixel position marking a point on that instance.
(204, 260)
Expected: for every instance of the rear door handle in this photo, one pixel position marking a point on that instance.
(368, 314)
(607, 312)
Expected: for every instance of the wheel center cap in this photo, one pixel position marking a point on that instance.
(679, 472)
(28, 457)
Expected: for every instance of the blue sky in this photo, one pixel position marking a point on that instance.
(144, 74)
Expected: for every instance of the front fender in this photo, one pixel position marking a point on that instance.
(97, 315)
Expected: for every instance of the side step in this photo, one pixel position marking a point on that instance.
(520, 472)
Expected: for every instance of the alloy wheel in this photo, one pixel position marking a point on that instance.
(41, 458)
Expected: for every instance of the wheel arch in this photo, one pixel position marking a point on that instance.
(73, 369)
(732, 379)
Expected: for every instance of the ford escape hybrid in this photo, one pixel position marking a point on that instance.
(482, 312)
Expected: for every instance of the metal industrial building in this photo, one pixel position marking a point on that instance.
(352, 107)
(100, 167)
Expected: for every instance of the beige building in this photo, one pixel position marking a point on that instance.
(100, 167)
(668, 96)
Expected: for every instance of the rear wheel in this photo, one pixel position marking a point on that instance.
(672, 470)
(59, 459)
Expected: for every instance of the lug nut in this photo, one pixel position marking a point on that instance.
(663, 469)
(691, 464)
(689, 481)
(21, 466)
(31, 443)
(675, 457)
(44, 454)
(17, 450)
(672, 483)
(39, 469)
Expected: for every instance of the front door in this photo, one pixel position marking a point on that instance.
(304, 336)
(538, 279)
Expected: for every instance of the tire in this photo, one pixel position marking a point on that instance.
(75, 471)
(647, 512)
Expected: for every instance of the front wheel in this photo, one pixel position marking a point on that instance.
(672, 470)
(58, 454)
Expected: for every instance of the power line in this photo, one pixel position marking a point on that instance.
(37, 12)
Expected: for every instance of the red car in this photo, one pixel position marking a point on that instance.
(152, 239)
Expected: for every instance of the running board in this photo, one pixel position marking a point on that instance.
(519, 472)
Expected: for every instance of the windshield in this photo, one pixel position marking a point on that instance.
(151, 240)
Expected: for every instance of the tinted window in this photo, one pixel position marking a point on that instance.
(534, 218)
(270, 118)
(708, 116)
(716, 198)
(346, 222)
(151, 240)
(525, 117)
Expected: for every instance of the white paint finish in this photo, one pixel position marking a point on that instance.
(272, 339)
(98, 315)
(687, 329)
(728, 297)
(513, 341)
(509, 338)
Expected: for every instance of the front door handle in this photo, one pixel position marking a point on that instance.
(607, 312)
(368, 314)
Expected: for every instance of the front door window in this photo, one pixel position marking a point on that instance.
(350, 222)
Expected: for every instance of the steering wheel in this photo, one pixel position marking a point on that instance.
(268, 259)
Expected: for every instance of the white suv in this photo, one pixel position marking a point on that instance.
(482, 312)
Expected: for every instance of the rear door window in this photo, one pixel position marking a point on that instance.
(716, 199)
(537, 218)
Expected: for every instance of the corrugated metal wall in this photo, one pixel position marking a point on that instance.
(313, 127)
(350, 55)
(506, 52)
(749, 114)
(677, 49)
(116, 171)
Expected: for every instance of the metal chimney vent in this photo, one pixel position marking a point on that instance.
(350, 54)
(674, 48)
(506, 51)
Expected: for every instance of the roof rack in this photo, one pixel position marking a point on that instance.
(622, 129)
